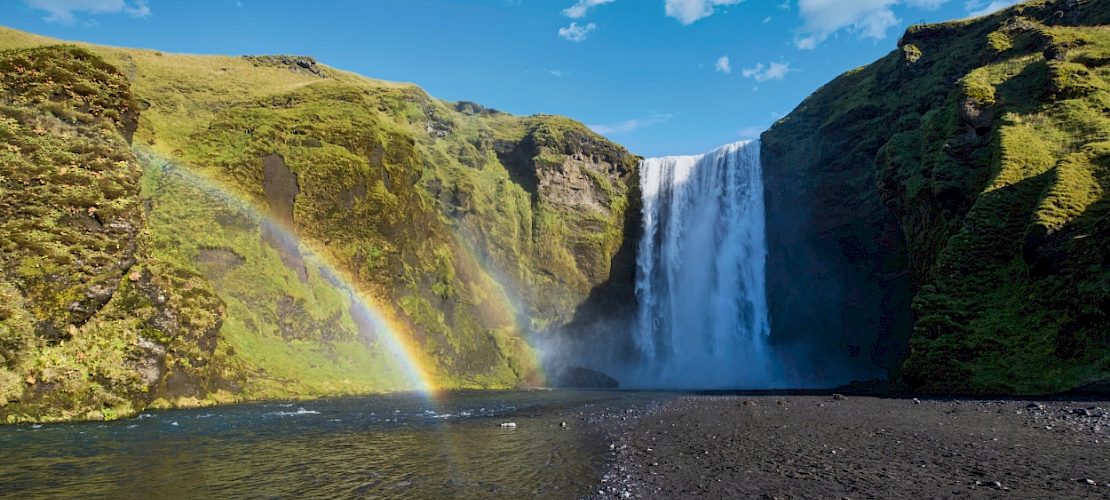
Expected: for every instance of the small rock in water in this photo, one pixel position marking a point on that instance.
(1091, 482)
(564, 424)
(839, 397)
(749, 403)
(510, 425)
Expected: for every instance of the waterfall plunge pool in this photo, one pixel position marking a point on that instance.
(389, 446)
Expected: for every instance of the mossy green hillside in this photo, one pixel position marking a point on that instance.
(986, 138)
(350, 165)
(292, 334)
(448, 195)
(90, 325)
(458, 220)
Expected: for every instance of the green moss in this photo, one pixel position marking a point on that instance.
(431, 209)
(998, 185)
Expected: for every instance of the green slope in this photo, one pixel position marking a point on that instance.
(469, 228)
(986, 140)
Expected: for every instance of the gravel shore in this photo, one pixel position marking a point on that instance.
(788, 447)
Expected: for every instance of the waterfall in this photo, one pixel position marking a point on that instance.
(700, 279)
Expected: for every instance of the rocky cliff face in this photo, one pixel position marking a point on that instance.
(226, 260)
(91, 324)
(958, 183)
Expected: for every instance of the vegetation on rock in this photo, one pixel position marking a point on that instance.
(214, 265)
(91, 326)
(987, 140)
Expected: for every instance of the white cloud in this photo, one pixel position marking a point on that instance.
(927, 4)
(761, 73)
(579, 9)
(722, 65)
(767, 20)
(688, 11)
(62, 10)
(630, 125)
(750, 132)
(576, 33)
(866, 18)
(975, 7)
(555, 72)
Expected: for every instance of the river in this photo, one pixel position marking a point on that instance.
(409, 445)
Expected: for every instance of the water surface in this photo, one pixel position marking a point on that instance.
(391, 446)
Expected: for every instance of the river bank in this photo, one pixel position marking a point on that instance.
(789, 447)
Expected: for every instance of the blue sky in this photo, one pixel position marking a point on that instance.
(661, 77)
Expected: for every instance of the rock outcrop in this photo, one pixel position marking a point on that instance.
(293, 228)
(940, 214)
(92, 325)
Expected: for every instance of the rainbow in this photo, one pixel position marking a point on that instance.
(417, 369)
(508, 304)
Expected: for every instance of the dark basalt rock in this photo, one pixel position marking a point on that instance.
(960, 177)
(303, 65)
(584, 378)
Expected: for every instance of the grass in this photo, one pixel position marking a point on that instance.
(432, 209)
(996, 169)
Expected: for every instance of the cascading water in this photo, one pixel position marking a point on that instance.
(700, 281)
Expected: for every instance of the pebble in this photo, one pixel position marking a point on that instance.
(508, 425)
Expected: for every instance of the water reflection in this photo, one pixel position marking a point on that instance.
(395, 446)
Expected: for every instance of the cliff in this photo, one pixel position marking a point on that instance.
(943, 211)
(280, 228)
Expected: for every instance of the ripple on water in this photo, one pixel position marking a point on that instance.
(449, 448)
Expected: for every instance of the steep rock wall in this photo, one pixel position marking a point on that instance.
(92, 325)
(965, 169)
(263, 188)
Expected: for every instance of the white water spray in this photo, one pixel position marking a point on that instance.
(700, 280)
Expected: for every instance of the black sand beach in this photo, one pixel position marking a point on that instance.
(790, 447)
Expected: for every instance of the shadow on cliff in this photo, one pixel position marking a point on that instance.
(596, 344)
(838, 290)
